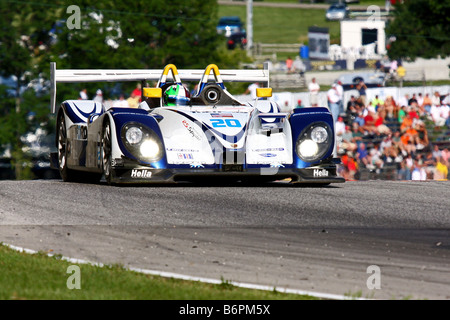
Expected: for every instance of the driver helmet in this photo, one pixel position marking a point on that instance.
(176, 95)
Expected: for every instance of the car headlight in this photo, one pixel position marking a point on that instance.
(134, 135)
(319, 134)
(150, 149)
(314, 142)
(308, 148)
(142, 142)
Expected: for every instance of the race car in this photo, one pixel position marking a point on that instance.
(174, 136)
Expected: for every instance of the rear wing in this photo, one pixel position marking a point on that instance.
(111, 75)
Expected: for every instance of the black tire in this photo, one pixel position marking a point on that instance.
(106, 152)
(69, 175)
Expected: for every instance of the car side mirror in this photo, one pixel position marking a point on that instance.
(152, 92)
(264, 92)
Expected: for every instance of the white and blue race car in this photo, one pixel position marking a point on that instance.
(173, 136)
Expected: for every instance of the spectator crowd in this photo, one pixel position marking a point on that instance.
(389, 139)
(131, 101)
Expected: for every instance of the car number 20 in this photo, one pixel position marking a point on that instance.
(222, 123)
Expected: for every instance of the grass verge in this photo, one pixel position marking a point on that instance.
(40, 277)
(283, 25)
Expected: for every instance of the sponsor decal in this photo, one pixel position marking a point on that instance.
(221, 115)
(276, 165)
(268, 155)
(191, 130)
(188, 156)
(139, 174)
(182, 150)
(317, 173)
(268, 149)
(117, 162)
(271, 163)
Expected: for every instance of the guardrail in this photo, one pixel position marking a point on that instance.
(262, 51)
(283, 80)
(410, 76)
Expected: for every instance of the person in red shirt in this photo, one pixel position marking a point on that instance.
(413, 114)
(369, 123)
(382, 128)
(289, 63)
(137, 92)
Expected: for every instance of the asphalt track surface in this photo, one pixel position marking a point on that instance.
(283, 236)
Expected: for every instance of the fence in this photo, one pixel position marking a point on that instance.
(411, 76)
(264, 51)
(288, 81)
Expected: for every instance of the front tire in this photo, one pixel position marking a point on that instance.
(67, 174)
(107, 152)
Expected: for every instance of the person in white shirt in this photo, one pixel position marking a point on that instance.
(251, 89)
(403, 101)
(436, 99)
(121, 103)
(438, 115)
(393, 67)
(340, 91)
(420, 100)
(333, 101)
(314, 89)
(419, 173)
(99, 96)
(83, 95)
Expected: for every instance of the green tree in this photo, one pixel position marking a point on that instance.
(116, 34)
(20, 30)
(140, 34)
(421, 29)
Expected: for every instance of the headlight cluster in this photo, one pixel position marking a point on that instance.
(134, 135)
(142, 142)
(314, 142)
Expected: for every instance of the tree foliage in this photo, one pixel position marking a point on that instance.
(20, 34)
(140, 34)
(111, 34)
(421, 29)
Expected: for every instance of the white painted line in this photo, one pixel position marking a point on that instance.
(199, 279)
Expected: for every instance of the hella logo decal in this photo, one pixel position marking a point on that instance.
(135, 173)
(320, 173)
